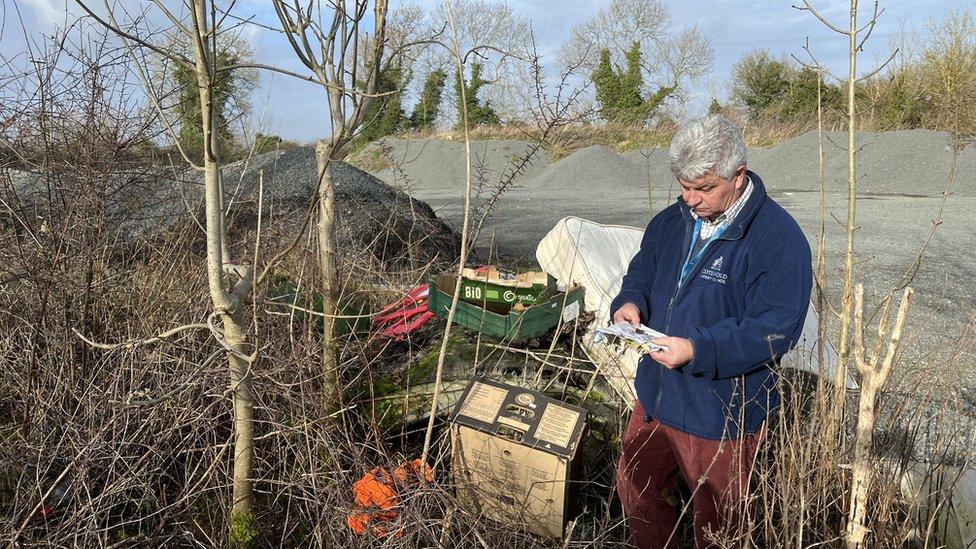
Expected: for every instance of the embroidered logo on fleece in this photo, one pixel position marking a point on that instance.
(715, 273)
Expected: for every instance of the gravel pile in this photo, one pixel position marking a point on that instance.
(905, 163)
(135, 204)
(378, 225)
(595, 168)
(289, 179)
(908, 163)
(438, 166)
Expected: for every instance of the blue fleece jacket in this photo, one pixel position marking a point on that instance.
(742, 306)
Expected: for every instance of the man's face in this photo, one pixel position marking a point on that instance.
(710, 195)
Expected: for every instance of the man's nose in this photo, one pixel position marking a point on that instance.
(692, 198)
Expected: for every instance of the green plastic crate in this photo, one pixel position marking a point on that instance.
(500, 321)
(481, 291)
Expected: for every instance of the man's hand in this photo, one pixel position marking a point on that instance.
(680, 351)
(628, 312)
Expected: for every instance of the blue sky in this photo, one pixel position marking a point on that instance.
(295, 109)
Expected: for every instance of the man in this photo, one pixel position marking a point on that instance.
(725, 272)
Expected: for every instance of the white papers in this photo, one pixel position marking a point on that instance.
(638, 337)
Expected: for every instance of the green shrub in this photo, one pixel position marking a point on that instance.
(620, 92)
(424, 114)
(479, 114)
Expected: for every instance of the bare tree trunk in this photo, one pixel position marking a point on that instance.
(846, 304)
(332, 53)
(243, 525)
(873, 378)
(227, 305)
(821, 241)
(326, 229)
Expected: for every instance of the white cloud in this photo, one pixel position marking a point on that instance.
(46, 13)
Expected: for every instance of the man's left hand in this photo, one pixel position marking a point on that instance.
(680, 352)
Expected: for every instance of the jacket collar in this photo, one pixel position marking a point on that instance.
(742, 220)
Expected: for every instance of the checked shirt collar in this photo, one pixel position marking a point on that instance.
(708, 228)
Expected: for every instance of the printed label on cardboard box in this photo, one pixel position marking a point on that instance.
(571, 311)
(557, 425)
(483, 402)
(514, 450)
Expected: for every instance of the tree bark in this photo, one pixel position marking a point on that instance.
(857, 530)
(243, 524)
(243, 529)
(326, 230)
(874, 375)
(847, 301)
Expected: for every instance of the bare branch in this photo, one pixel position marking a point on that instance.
(141, 342)
(144, 78)
(114, 28)
(894, 346)
(173, 19)
(869, 26)
(880, 67)
(807, 7)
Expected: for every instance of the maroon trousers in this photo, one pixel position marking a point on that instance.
(716, 472)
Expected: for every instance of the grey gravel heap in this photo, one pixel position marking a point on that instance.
(374, 218)
(379, 226)
(438, 167)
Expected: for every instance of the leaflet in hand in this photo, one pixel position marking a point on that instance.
(637, 337)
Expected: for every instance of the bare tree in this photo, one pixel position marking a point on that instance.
(327, 37)
(873, 374)
(502, 39)
(230, 285)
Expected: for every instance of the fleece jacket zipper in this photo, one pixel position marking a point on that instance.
(677, 291)
(667, 323)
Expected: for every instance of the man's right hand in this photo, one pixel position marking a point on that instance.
(628, 312)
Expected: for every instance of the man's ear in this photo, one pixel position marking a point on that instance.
(739, 179)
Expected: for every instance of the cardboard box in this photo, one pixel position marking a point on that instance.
(490, 285)
(514, 455)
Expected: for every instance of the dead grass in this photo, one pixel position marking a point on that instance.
(563, 141)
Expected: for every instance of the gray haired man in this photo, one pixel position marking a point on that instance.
(726, 273)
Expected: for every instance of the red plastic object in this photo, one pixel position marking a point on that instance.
(406, 315)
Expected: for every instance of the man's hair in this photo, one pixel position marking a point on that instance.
(703, 144)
